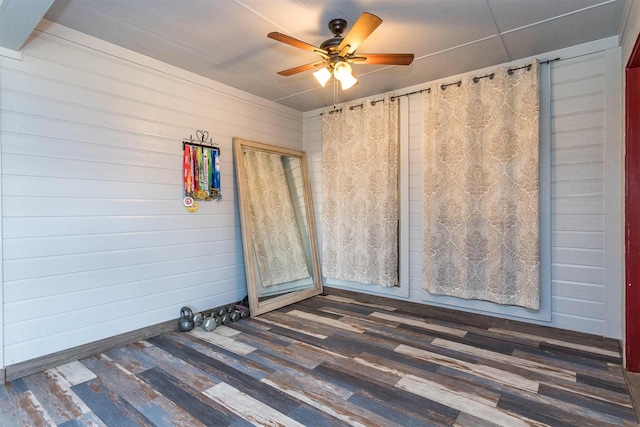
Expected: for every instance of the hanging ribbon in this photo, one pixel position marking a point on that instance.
(201, 186)
(187, 172)
(194, 168)
(205, 173)
(216, 175)
(210, 170)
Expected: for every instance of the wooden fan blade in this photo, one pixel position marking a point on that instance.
(295, 42)
(364, 26)
(300, 69)
(383, 58)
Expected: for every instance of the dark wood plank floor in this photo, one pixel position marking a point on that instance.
(332, 361)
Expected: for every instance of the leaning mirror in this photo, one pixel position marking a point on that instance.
(278, 229)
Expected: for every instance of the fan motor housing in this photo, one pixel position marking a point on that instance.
(337, 27)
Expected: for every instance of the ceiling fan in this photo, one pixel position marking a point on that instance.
(338, 53)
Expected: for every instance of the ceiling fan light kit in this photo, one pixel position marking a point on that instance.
(341, 70)
(338, 53)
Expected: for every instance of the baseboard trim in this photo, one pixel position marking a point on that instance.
(49, 361)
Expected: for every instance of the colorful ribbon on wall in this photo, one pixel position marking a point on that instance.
(201, 172)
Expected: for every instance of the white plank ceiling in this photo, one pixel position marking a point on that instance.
(226, 40)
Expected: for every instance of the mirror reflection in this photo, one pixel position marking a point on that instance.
(279, 242)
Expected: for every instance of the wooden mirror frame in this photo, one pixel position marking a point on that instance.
(255, 305)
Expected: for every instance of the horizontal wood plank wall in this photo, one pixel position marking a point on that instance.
(96, 240)
(578, 193)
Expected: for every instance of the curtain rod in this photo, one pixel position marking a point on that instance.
(375, 101)
(510, 71)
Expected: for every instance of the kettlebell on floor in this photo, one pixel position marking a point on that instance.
(209, 323)
(186, 323)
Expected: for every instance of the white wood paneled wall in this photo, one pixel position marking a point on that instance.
(96, 241)
(586, 231)
(585, 179)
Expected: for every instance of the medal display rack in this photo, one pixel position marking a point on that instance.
(201, 170)
(202, 140)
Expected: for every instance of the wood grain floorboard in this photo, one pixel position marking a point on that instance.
(189, 399)
(55, 397)
(336, 361)
(108, 405)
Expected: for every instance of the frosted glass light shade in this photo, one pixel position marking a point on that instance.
(348, 81)
(342, 70)
(322, 76)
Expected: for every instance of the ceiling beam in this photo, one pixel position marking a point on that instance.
(18, 18)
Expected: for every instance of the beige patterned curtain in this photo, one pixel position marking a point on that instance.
(276, 237)
(481, 236)
(360, 194)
